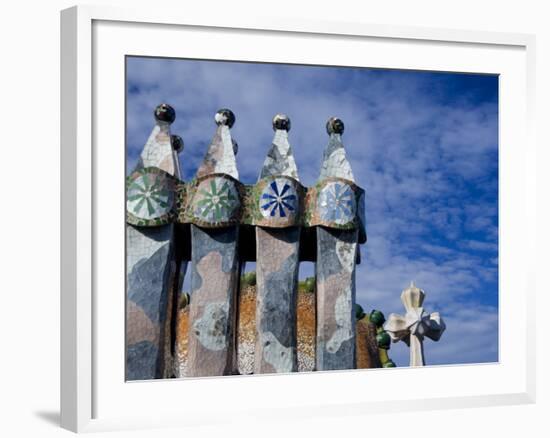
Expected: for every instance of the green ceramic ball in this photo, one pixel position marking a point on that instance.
(377, 318)
(383, 340)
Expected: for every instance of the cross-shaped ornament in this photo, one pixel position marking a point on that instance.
(415, 325)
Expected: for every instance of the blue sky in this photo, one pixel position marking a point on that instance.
(424, 146)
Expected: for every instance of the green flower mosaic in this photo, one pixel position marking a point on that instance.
(150, 195)
(216, 200)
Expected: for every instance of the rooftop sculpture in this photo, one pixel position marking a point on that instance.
(218, 223)
(416, 324)
(151, 193)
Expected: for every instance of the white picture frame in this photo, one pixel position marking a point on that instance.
(93, 395)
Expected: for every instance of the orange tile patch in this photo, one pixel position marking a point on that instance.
(367, 349)
(306, 331)
(366, 345)
(246, 330)
(182, 340)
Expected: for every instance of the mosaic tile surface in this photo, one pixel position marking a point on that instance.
(336, 256)
(278, 199)
(150, 196)
(280, 159)
(148, 265)
(215, 258)
(212, 311)
(220, 156)
(216, 200)
(277, 279)
(157, 151)
(336, 203)
(277, 257)
(150, 255)
(335, 283)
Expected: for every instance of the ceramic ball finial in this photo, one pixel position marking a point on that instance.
(177, 143)
(165, 113)
(225, 117)
(281, 121)
(335, 126)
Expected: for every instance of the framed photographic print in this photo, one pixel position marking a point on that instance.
(307, 218)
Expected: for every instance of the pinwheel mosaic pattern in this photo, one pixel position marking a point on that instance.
(337, 203)
(216, 200)
(150, 195)
(278, 199)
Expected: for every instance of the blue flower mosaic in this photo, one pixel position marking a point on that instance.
(337, 203)
(278, 199)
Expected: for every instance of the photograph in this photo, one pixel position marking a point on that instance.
(287, 218)
(284, 219)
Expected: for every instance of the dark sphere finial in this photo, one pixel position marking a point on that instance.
(377, 318)
(383, 340)
(281, 121)
(226, 117)
(335, 126)
(165, 113)
(177, 143)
